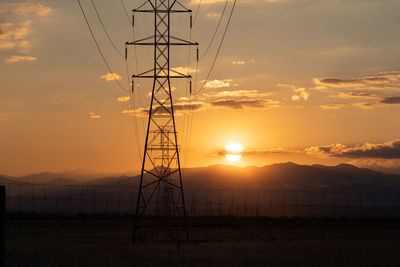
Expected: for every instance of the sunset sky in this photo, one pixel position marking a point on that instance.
(308, 81)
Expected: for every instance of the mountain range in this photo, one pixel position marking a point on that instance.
(281, 176)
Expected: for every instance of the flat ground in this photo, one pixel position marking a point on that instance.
(213, 242)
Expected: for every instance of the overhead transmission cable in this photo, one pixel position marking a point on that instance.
(134, 37)
(132, 104)
(219, 47)
(99, 49)
(105, 30)
(130, 21)
(216, 30)
(209, 72)
(197, 13)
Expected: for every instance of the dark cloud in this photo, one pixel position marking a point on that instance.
(241, 104)
(360, 94)
(391, 100)
(158, 110)
(334, 81)
(387, 150)
(379, 79)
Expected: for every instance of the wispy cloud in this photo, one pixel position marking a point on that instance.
(14, 59)
(13, 32)
(93, 115)
(243, 104)
(123, 98)
(332, 106)
(179, 108)
(238, 62)
(352, 94)
(25, 9)
(16, 27)
(391, 100)
(237, 93)
(184, 70)
(379, 79)
(217, 84)
(387, 150)
(111, 77)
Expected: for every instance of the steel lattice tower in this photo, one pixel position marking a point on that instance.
(161, 195)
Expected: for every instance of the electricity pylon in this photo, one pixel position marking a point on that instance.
(160, 200)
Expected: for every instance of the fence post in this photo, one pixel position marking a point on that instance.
(2, 226)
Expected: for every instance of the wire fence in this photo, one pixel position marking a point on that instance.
(76, 225)
(108, 200)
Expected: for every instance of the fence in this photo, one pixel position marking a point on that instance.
(226, 226)
(107, 200)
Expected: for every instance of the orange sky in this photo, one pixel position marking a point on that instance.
(310, 81)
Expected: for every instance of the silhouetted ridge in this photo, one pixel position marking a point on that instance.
(280, 176)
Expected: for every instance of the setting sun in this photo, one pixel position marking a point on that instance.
(234, 151)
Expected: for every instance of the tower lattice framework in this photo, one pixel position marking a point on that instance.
(160, 195)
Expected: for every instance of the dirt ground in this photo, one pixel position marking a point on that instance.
(95, 242)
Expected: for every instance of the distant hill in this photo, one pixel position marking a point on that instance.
(282, 176)
(4, 181)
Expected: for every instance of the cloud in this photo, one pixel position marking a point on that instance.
(92, 115)
(238, 62)
(295, 98)
(184, 70)
(111, 77)
(336, 51)
(379, 79)
(391, 100)
(300, 93)
(376, 163)
(13, 31)
(242, 104)
(14, 59)
(237, 93)
(347, 95)
(179, 108)
(213, 15)
(25, 9)
(123, 98)
(217, 84)
(366, 105)
(387, 150)
(332, 106)
(6, 44)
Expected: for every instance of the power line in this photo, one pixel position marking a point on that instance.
(105, 30)
(219, 47)
(98, 48)
(197, 13)
(216, 30)
(126, 11)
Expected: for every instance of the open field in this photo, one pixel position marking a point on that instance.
(213, 241)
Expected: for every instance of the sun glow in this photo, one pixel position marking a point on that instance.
(233, 152)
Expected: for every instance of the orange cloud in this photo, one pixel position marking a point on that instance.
(11, 31)
(111, 77)
(14, 59)
(217, 84)
(179, 108)
(387, 150)
(92, 115)
(25, 9)
(332, 106)
(123, 98)
(6, 44)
